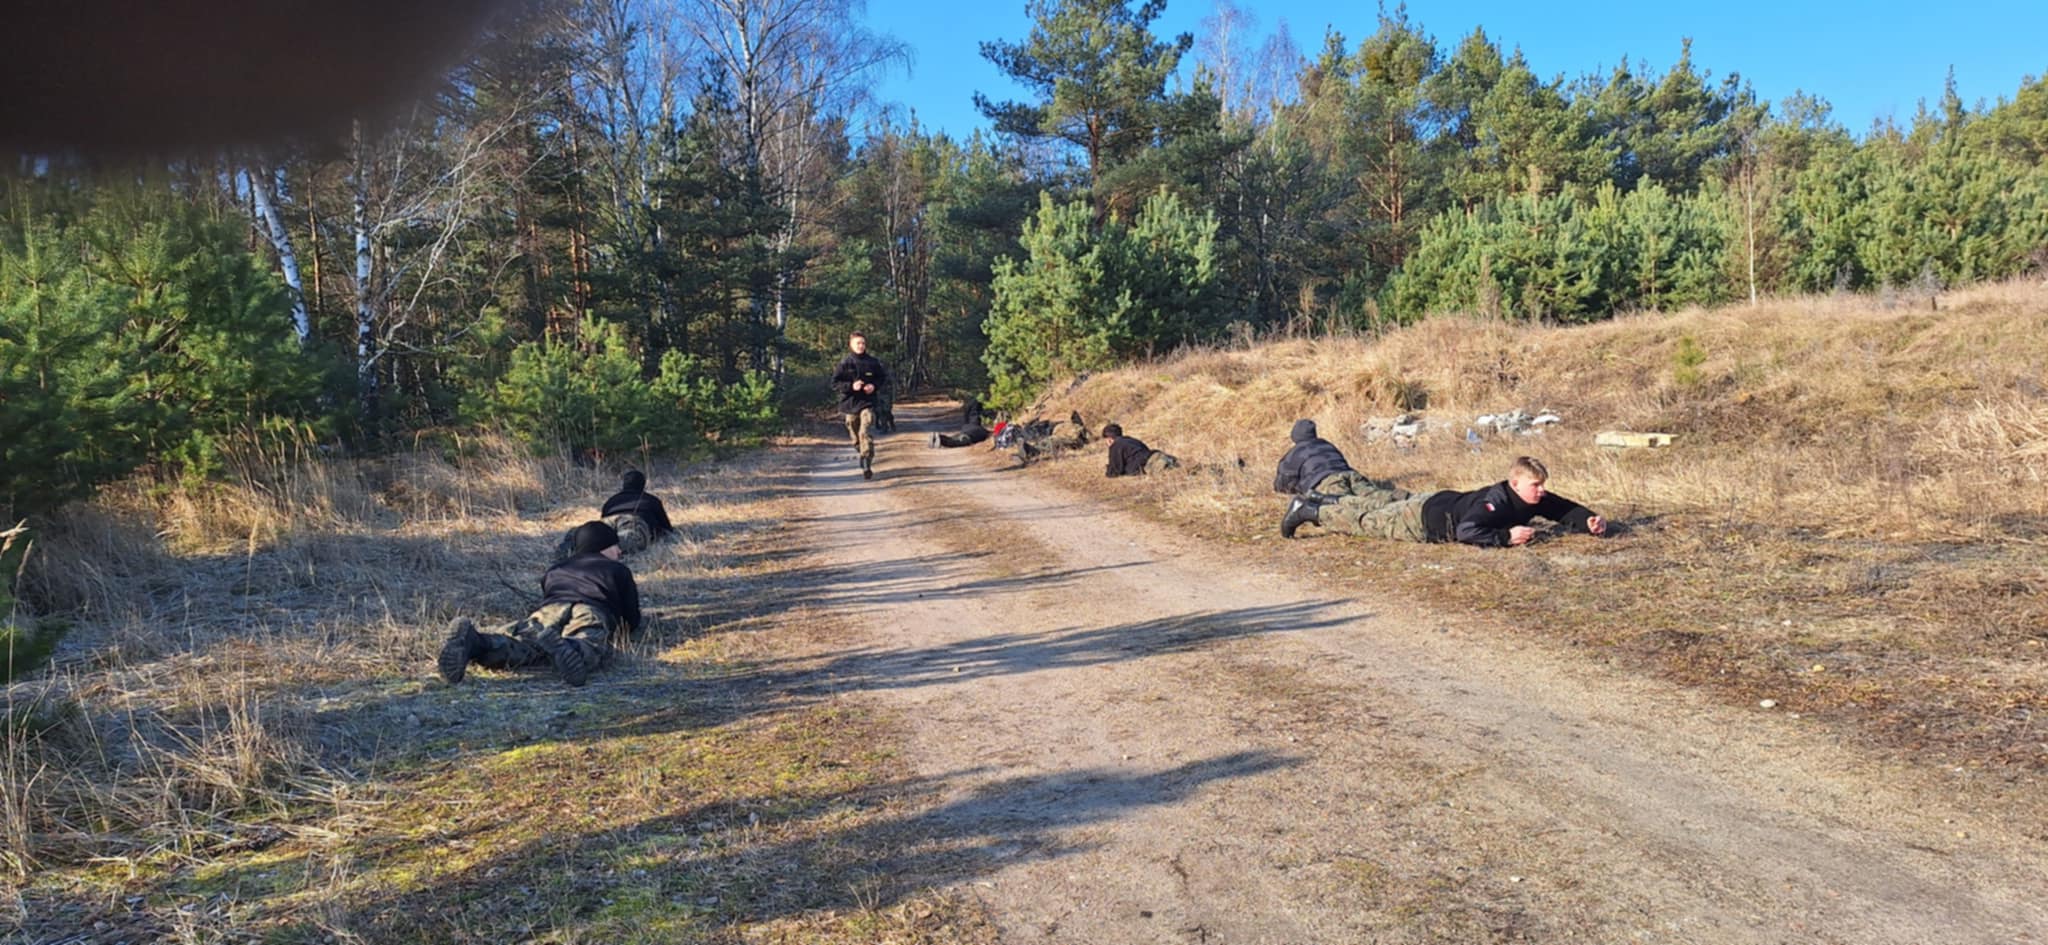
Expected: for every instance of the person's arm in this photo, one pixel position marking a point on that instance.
(1573, 516)
(1286, 475)
(629, 597)
(1114, 467)
(843, 377)
(1489, 523)
(662, 525)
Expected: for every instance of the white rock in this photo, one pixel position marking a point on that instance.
(1769, 703)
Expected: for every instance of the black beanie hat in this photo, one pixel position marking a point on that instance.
(633, 481)
(1304, 431)
(593, 537)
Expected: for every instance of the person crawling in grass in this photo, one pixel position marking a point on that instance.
(634, 500)
(1496, 516)
(1129, 456)
(584, 601)
(636, 514)
(1314, 466)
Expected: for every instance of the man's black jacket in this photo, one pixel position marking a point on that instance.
(639, 502)
(1483, 516)
(1127, 456)
(858, 367)
(592, 578)
(1309, 462)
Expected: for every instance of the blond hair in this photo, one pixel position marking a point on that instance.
(1529, 468)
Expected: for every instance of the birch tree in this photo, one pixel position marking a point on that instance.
(259, 184)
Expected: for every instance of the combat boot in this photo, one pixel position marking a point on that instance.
(1302, 511)
(461, 648)
(867, 467)
(566, 657)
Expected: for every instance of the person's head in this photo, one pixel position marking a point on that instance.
(1304, 431)
(857, 343)
(594, 537)
(1526, 479)
(1111, 431)
(633, 481)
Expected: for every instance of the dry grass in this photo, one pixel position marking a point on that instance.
(1849, 522)
(242, 741)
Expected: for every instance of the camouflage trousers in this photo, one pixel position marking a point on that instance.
(523, 643)
(860, 428)
(1377, 516)
(1353, 483)
(634, 534)
(1160, 462)
(1068, 437)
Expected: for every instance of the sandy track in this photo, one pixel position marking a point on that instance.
(1141, 737)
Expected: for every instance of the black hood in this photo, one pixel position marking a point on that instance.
(1304, 431)
(593, 537)
(633, 481)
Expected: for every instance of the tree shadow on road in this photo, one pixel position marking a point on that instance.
(671, 870)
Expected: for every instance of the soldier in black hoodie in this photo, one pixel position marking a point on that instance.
(1314, 466)
(1496, 516)
(857, 378)
(1129, 456)
(584, 600)
(634, 500)
(638, 517)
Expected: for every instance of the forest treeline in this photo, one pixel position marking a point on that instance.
(625, 224)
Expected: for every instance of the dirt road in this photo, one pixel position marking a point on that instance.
(1142, 736)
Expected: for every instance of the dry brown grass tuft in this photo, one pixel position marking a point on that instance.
(1853, 486)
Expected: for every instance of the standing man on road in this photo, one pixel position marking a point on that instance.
(858, 377)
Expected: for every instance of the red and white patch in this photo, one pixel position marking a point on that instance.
(1490, 508)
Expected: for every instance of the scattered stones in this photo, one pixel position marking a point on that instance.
(1404, 430)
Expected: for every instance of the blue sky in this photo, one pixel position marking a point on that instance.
(1870, 59)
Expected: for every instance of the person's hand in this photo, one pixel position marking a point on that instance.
(1520, 535)
(1596, 525)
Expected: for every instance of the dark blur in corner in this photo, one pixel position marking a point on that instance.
(112, 78)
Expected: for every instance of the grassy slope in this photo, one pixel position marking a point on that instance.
(248, 743)
(1850, 522)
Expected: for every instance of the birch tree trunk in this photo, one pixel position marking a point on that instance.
(281, 240)
(366, 314)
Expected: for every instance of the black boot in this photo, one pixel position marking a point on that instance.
(566, 657)
(1302, 511)
(461, 648)
(867, 467)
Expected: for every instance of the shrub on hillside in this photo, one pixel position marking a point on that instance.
(1559, 258)
(1086, 298)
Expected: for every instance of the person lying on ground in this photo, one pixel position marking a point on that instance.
(1314, 466)
(634, 498)
(965, 436)
(638, 517)
(1496, 516)
(584, 601)
(1040, 439)
(1129, 456)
